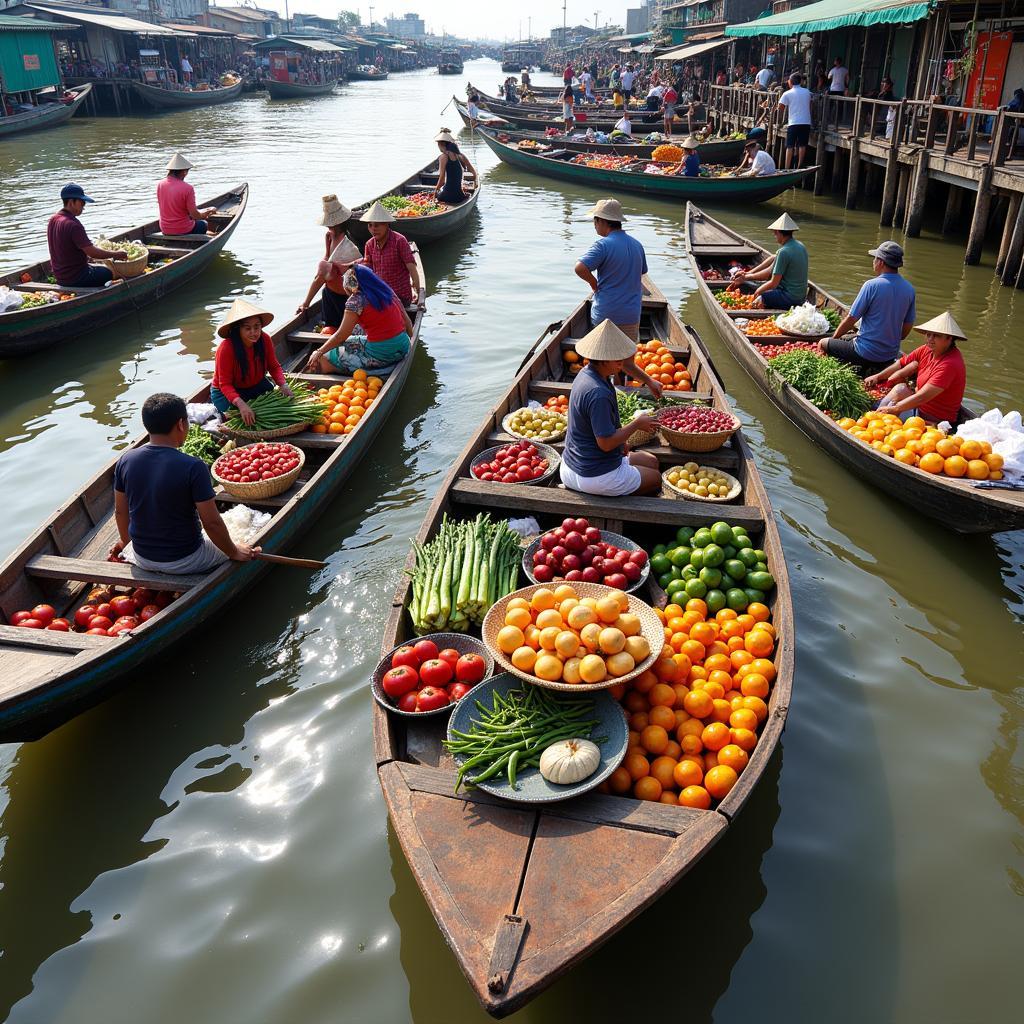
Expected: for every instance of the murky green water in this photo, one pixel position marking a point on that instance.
(211, 845)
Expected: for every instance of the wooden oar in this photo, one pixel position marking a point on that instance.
(299, 563)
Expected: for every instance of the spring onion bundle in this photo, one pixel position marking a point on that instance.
(831, 385)
(461, 572)
(275, 410)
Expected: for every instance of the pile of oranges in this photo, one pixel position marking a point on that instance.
(560, 403)
(347, 403)
(914, 443)
(765, 327)
(655, 360)
(694, 717)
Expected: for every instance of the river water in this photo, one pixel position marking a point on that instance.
(211, 844)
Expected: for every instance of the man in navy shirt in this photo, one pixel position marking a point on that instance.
(163, 501)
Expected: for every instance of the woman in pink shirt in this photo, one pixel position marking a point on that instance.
(177, 202)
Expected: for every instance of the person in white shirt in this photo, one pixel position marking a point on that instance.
(838, 78)
(186, 70)
(624, 124)
(764, 78)
(796, 101)
(757, 162)
(587, 81)
(628, 77)
(654, 96)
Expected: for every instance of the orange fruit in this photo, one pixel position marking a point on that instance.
(745, 739)
(955, 465)
(662, 769)
(663, 717)
(931, 462)
(691, 745)
(687, 773)
(977, 469)
(763, 667)
(754, 685)
(693, 650)
(734, 757)
(722, 710)
(645, 682)
(695, 604)
(639, 721)
(715, 736)
(691, 727)
(971, 450)
(654, 739)
(993, 460)
(662, 694)
(699, 704)
(695, 796)
(710, 760)
(647, 788)
(637, 766)
(915, 423)
(673, 750)
(946, 447)
(666, 671)
(743, 718)
(756, 705)
(759, 643)
(620, 781)
(720, 780)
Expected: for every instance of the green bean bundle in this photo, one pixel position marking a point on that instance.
(831, 385)
(275, 410)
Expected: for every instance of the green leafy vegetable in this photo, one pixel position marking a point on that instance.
(201, 444)
(832, 386)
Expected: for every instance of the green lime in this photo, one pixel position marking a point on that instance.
(675, 572)
(665, 579)
(659, 549)
(690, 572)
(715, 601)
(759, 567)
(755, 595)
(733, 566)
(761, 556)
(680, 556)
(713, 555)
(675, 587)
(737, 532)
(736, 599)
(748, 557)
(742, 541)
(721, 533)
(694, 588)
(660, 563)
(760, 580)
(710, 577)
(730, 551)
(702, 538)
(697, 558)
(684, 534)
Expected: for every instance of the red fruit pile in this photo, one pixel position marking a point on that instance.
(421, 678)
(514, 464)
(260, 461)
(104, 614)
(695, 419)
(575, 551)
(771, 351)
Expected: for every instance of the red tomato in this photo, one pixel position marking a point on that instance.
(405, 656)
(148, 612)
(436, 672)
(118, 628)
(456, 691)
(45, 613)
(399, 681)
(141, 596)
(163, 598)
(407, 702)
(100, 622)
(122, 605)
(96, 632)
(103, 609)
(19, 617)
(470, 668)
(83, 615)
(450, 655)
(60, 626)
(30, 624)
(430, 698)
(131, 621)
(426, 650)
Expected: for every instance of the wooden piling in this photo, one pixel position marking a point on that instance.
(837, 171)
(821, 158)
(1015, 250)
(951, 217)
(889, 189)
(915, 205)
(1012, 212)
(853, 174)
(905, 174)
(979, 222)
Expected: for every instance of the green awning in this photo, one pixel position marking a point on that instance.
(829, 14)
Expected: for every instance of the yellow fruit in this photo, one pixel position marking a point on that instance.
(955, 465)
(591, 635)
(571, 671)
(542, 600)
(946, 447)
(518, 617)
(581, 616)
(592, 669)
(629, 624)
(548, 667)
(509, 638)
(611, 640)
(977, 469)
(993, 460)
(590, 602)
(567, 606)
(564, 592)
(931, 462)
(548, 617)
(619, 664)
(637, 648)
(622, 598)
(524, 658)
(608, 609)
(548, 636)
(518, 602)
(566, 643)
(971, 450)
(915, 423)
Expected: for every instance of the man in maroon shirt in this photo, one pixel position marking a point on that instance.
(70, 247)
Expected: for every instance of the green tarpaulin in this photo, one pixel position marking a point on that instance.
(829, 14)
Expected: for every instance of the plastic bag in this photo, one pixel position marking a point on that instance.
(528, 527)
(9, 299)
(201, 413)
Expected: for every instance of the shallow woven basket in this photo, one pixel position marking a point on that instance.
(549, 453)
(650, 628)
(670, 490)
(256, 489)
(686, 442)
(803, 337)
(607, 537)
(263, 435)
(127, 268)
(457, 641)
(547, 440)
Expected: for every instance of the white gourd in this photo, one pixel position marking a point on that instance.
(569, 761)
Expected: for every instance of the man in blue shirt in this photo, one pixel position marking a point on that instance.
(885, 307)
(620, 263)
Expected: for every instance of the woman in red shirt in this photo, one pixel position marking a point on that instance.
(939, 373)
(243, 360)
(374, 307)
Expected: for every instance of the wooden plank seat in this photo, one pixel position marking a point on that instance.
(159, 236)
(54, 567)
(45, 639)
(46, 286)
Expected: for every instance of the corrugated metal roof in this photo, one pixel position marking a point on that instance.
(10, 23)
(115, 22)
(300, 43)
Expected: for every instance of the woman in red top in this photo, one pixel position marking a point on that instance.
(244, 358)
(939, 373)
(374, 307)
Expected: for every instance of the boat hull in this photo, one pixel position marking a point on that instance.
(169, 99)
(43, 117)
(363, 76)
(297, 90)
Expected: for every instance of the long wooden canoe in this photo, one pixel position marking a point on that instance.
(485, 117)
(297, 90)
(541, 118)
(165, 99)
(23, 332)
(47, 677)
(46, 115)
(367, 76)
(559, 164)
(522, 894)
(955, 503)
(419, 229)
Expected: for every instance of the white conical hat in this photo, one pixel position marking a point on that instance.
(242, 309)
(335, 211)
(689, 143)
(943, 324)
(178, 163)
(784, 223)
(444, 136)
(377, 214)
(605, 342)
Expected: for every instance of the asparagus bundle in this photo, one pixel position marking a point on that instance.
(461, 572)
(275, 410)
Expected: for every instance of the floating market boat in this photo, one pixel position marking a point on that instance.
(599, 119)
(425, 227)
(560, 164)
(449, 62)
(47, 677)
(295, 90)
(46, 115)
(954, 502)
(164, 99)
(485, 116)
(523, 893)
(367, 75)
(175, 259)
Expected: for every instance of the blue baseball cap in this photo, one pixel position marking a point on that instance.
(73, 191)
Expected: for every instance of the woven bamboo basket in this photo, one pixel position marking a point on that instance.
(256, 489)
(639, 437)
(669, 490)
(686, 442)
(263, 435)
(127, 268)
(650, 628)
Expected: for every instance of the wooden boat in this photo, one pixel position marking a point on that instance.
(48, 677)
(449, 62)
(543, 117)
(367, 76)
(524, 893)
(164, 99)
(419, 229)
(954, 503)
(25, 331)
(486, 117)
(295, 90)
(46, 115)
(559, 164)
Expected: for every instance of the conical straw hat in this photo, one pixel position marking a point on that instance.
(444, 136)
(689, 143)
(376, 214)
(943, 324)
(242, 309)
(605, 342)
(178, 163)
(335, 212)
(784, 223)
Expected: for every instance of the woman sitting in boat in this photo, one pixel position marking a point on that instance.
(244, 359)
(689, 167)
(389, 255)
(373, 306)
(939, 374)
(177, 202)
(340, 252)
(596, 459)
(450, 166)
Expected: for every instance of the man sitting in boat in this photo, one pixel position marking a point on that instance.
(756, 163)
(886, 309)
(373, 306)
(596, 459)
(939, 374)
(70, 247)
(177, 202)
(389, 255)
(163, 501)
(624, 124)
(784, 274)
(244, 359)
(451, 164)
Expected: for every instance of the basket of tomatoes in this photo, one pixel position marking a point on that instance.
(260, 470)
(524, 462)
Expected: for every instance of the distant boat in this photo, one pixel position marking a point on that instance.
(46, 115)
(367, 74)
(449, 62)
(164, 99)
(292, 90)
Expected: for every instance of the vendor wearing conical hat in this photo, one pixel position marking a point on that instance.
(177, 202)
(936, 373)
(691, 160)
(451, 164)
(340, 252)
(389, 255)
(784, 275)
(244, 359)
(596, 459)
